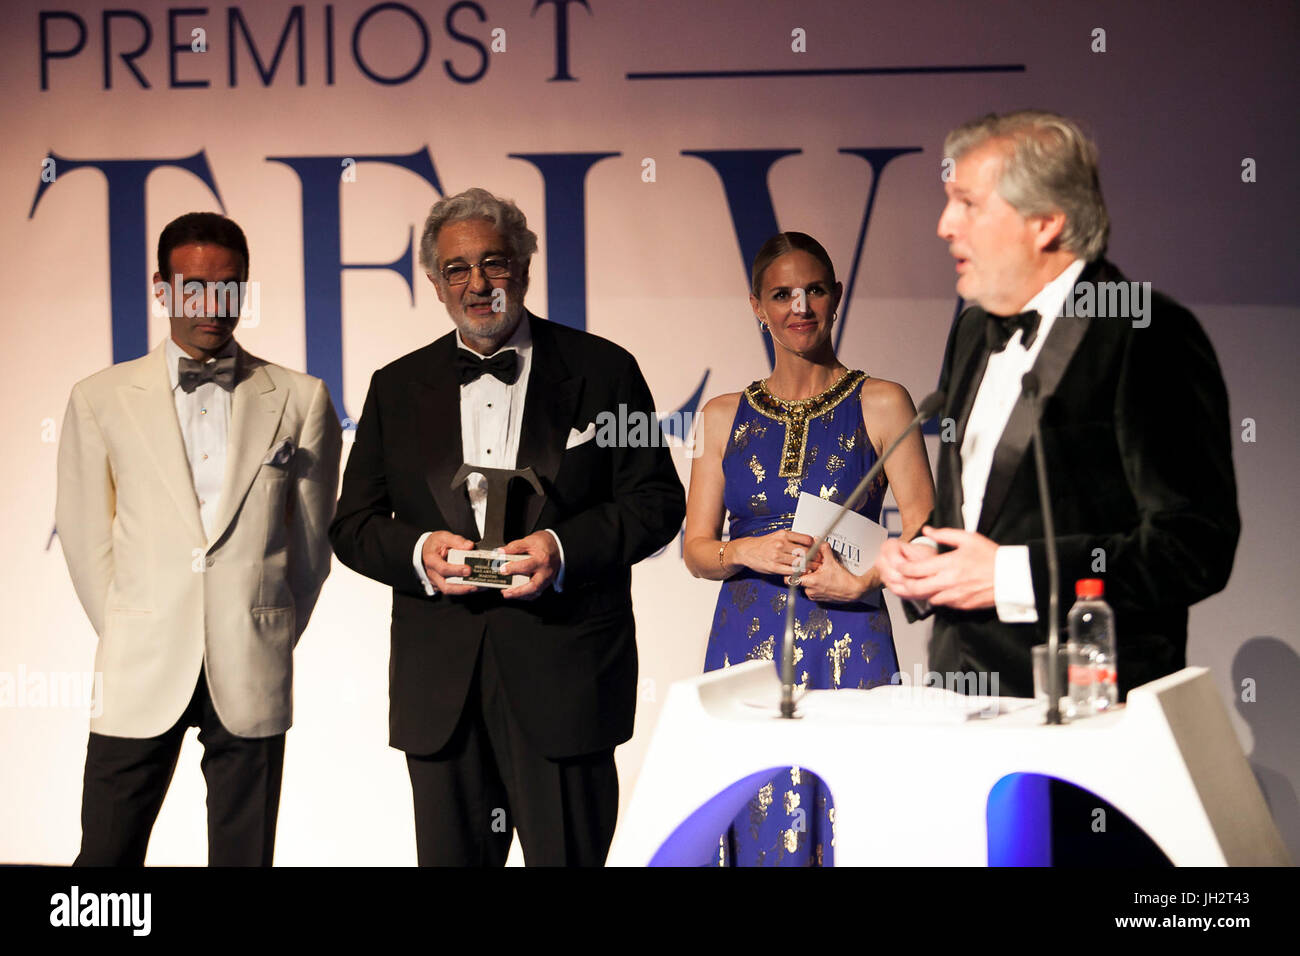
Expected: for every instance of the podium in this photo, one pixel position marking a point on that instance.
(927, 776)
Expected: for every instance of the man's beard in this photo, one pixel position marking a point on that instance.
(496, 325)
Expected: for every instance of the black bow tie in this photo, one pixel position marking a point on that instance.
(194, 373)
(504, 365)
(1001, 327)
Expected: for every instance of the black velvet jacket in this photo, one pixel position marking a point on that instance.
(1138, 448)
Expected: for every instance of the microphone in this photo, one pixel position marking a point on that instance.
(1029, 387)
(930, 406)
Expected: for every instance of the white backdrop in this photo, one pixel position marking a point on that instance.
(1177, 100)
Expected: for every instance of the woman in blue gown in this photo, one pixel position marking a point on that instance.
(812, 425)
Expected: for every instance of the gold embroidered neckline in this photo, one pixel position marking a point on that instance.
(796, 415)
(795, 403)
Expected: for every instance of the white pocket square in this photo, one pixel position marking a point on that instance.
(577, 438)
(281, 453)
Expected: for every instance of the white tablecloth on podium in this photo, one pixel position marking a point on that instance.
(911, 769)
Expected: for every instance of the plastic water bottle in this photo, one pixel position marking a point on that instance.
(1093, 678)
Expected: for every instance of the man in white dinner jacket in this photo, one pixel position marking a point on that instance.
(195, 489)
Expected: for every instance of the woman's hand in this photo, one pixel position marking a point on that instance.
(831, 582)
(775, 553)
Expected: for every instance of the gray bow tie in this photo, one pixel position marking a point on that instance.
(194, 373)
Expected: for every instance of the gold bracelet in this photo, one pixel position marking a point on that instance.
(722, 566)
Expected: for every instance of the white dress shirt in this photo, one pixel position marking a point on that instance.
(491, 419)
(999, 390)
(204, 416)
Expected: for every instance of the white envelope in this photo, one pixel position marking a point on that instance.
(577, 438)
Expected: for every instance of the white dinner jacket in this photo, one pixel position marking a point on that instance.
(164, 599)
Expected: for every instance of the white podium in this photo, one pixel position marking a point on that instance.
(918, 773)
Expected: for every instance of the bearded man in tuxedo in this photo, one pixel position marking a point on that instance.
(508, 703)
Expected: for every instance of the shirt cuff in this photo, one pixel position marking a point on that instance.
(1013, 585)
(558, 584)
(418, 559)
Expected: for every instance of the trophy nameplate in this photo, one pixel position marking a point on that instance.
(487, 559)
(485, 568)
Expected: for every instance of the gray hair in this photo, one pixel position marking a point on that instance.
(1049, 165)
(476, 203)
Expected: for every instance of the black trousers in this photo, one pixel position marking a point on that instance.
(488, 781)
(127, 778)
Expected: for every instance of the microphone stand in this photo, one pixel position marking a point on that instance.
(1029, 387)
(930, 406)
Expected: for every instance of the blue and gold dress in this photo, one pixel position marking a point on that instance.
(777, 449)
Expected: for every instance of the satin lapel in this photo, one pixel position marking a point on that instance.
(256, 407)
(549, 407)
(152, 409)
(976, 361)
(1062, 342)
(970, 374)
(435, 398)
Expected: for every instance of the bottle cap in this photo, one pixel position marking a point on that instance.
(1089, 588)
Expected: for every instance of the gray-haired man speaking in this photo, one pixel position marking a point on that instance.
(1134, 421)
(1134, 418)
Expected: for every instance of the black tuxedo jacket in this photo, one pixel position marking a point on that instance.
(567, 659)
(1138, 449)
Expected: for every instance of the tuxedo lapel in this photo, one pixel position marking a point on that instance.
(549, 408)
(435, 397)
(969, 367)
(1062, 342)
(152, 409)
(256, 407)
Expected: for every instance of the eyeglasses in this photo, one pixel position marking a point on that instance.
(494, 267)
